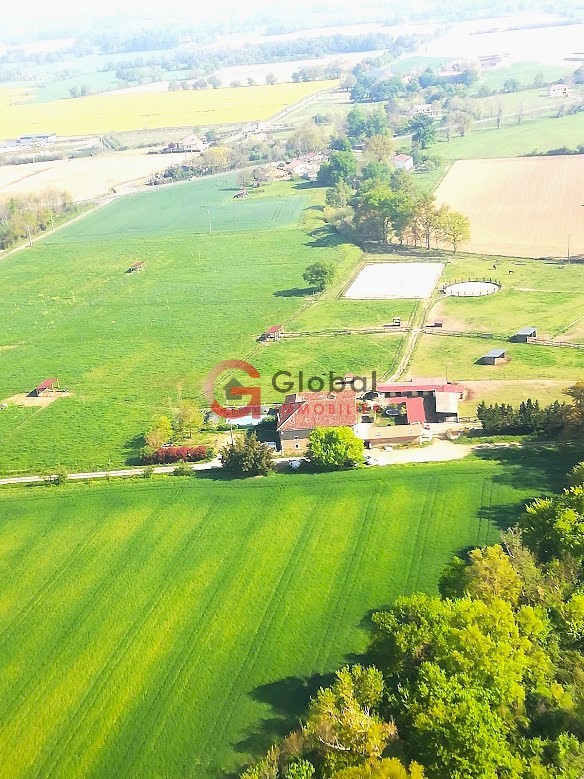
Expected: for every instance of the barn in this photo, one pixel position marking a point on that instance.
(523, 335)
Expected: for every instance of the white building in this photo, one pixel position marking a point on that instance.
(403, 162)
(420, 108)
(559, 90)
(191, 143)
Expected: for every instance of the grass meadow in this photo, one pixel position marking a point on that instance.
(122, 344)
(457, 357)
(176, 627)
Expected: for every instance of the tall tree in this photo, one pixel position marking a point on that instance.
(453, 226)
(379, 148)
(331, 448)
(423, 130)
(319, 275)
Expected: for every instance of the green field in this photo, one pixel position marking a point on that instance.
(318, 356)
(514, 140)
(545, 295)
(176, 627)
(193, 207)
(121, 343)
(458, 355)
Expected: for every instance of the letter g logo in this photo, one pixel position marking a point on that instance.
(254, 393)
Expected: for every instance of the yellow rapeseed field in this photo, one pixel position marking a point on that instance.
(115, 112)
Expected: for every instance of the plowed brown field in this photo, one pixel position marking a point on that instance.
(520, 207)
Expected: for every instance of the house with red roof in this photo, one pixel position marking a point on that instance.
(303, 411)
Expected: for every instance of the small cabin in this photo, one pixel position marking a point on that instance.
(523, 335)
(46, 387)
(137, 267)
(273, 333)
(494, 357)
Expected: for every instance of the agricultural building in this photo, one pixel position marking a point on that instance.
(302, 412)
(494, 357)
(273, 333)
(425, 400)
(373, 436)
(46, 387)
(523, 335)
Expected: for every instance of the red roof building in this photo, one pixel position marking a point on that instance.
(302, 412)
(427, 400)
(415, 411)
(48, 385)
(273, 333)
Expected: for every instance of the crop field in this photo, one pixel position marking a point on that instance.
(85, 178)
(122, 344)
(192, 207)
(176, 627)
(520, 207)
(109, 112)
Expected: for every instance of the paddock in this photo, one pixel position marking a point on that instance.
(395, 280)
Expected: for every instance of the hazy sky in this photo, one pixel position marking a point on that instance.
(37, 10)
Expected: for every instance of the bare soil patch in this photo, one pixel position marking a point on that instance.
(22, 399)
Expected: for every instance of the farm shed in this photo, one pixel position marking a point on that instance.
(493, 357)
(273, 333)
(372, 436)
(523, 335)
(139, 266)
(46, 387)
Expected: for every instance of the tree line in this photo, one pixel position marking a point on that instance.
(24, 216)
(532, 418)
(372, 200)
(483, 680)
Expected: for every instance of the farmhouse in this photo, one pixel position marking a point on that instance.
(523, 335)
(191, 143)
(559, 90)
(46, 387)
(494, 357)
(425, 400)
(403, 162)
(138, 266)
(302, 412)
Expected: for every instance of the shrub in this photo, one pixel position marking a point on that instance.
(183, 469)
(175, 454)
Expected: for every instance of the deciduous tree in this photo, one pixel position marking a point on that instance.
(330, 448)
